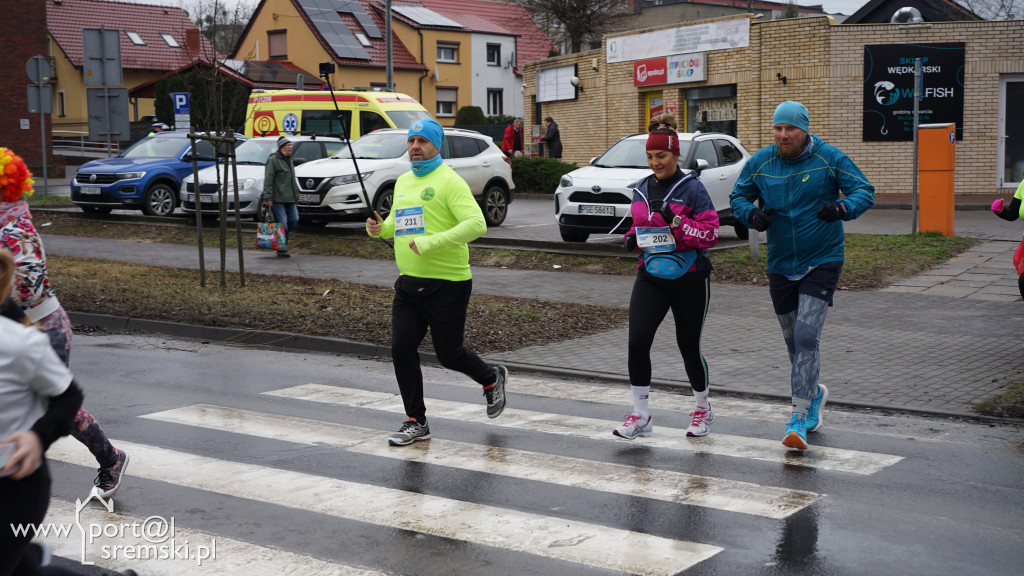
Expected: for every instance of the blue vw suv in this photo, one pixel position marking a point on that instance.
(146, 176)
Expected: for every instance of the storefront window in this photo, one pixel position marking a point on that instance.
(711, 109)
(1012, 130)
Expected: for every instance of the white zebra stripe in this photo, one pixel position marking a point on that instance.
(233, 557)
(837, 459)
(667, 485)
(550, 537)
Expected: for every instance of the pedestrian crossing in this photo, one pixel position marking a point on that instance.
(591, 544)
(666, 485)
(835, 459)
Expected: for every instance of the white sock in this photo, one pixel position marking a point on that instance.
(640, 398)
(702, 398)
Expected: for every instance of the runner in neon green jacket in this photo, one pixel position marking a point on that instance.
(453, 219)
(433, 218)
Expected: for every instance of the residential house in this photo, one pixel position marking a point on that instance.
(349, 33)
(152, 43)
(445, 53)
(498, 77)
(445, 49)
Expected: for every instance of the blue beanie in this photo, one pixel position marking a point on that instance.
(794, 114)
(429, 129)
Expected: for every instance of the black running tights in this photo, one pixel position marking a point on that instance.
(651, 300)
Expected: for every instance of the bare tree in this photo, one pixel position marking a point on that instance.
(580, 20)
(995, 9)
(218, 99)
(220, 21)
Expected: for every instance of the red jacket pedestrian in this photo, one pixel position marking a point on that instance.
(513, 140)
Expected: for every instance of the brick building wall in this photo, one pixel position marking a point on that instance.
(18, 47)
(824, 66)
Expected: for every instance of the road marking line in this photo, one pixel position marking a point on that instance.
(662, 399)
(728, 407)
(559, 538)
(670, 486)
(837, 459)
(233, 557)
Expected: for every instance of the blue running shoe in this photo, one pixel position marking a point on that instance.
(796, 433)
(814, 410)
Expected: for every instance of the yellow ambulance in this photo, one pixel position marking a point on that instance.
(284, 112)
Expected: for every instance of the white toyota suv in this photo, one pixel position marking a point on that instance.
(330, 189)
(595, 199)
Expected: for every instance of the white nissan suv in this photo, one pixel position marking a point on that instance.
(330, 189)
(595, 199)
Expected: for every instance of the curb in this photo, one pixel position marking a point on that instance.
(300, 342)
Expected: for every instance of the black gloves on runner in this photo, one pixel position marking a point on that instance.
(667, 213)
(631, 242)
(760, 219)
(831, 211)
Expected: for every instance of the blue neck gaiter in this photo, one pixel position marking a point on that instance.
(424, 167)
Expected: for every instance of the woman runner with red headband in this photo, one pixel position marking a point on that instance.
(674, 223)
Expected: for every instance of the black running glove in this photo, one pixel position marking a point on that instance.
(631, 242)
(760, 219)
(831, 211)
(668, 214)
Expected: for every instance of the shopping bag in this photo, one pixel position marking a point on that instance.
(1018, 258)
(271, 235)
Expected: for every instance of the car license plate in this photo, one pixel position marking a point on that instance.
(595, 210)
(90, 190)
(309, 198)
(206, 198)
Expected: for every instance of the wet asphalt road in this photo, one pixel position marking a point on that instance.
(281, 458)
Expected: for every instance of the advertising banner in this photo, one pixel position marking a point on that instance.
(696, 38)
(889, 89)
(670, 70)
(650, 72)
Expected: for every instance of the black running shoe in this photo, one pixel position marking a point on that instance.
(495, 393)
(411, 431)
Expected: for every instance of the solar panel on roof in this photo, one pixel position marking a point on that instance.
(355, 8)
(324, 14)
(266, 72)
(425, 16)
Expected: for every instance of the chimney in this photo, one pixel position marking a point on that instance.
(192, 40)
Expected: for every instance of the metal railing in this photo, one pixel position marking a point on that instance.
(78, 142)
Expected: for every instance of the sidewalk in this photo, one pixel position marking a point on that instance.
(937, 343)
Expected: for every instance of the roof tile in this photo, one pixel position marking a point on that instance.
(65, 20)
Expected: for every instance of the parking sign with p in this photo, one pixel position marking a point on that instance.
(180, 100)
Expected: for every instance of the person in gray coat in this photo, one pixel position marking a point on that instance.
(281, 190)
(552, 138)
